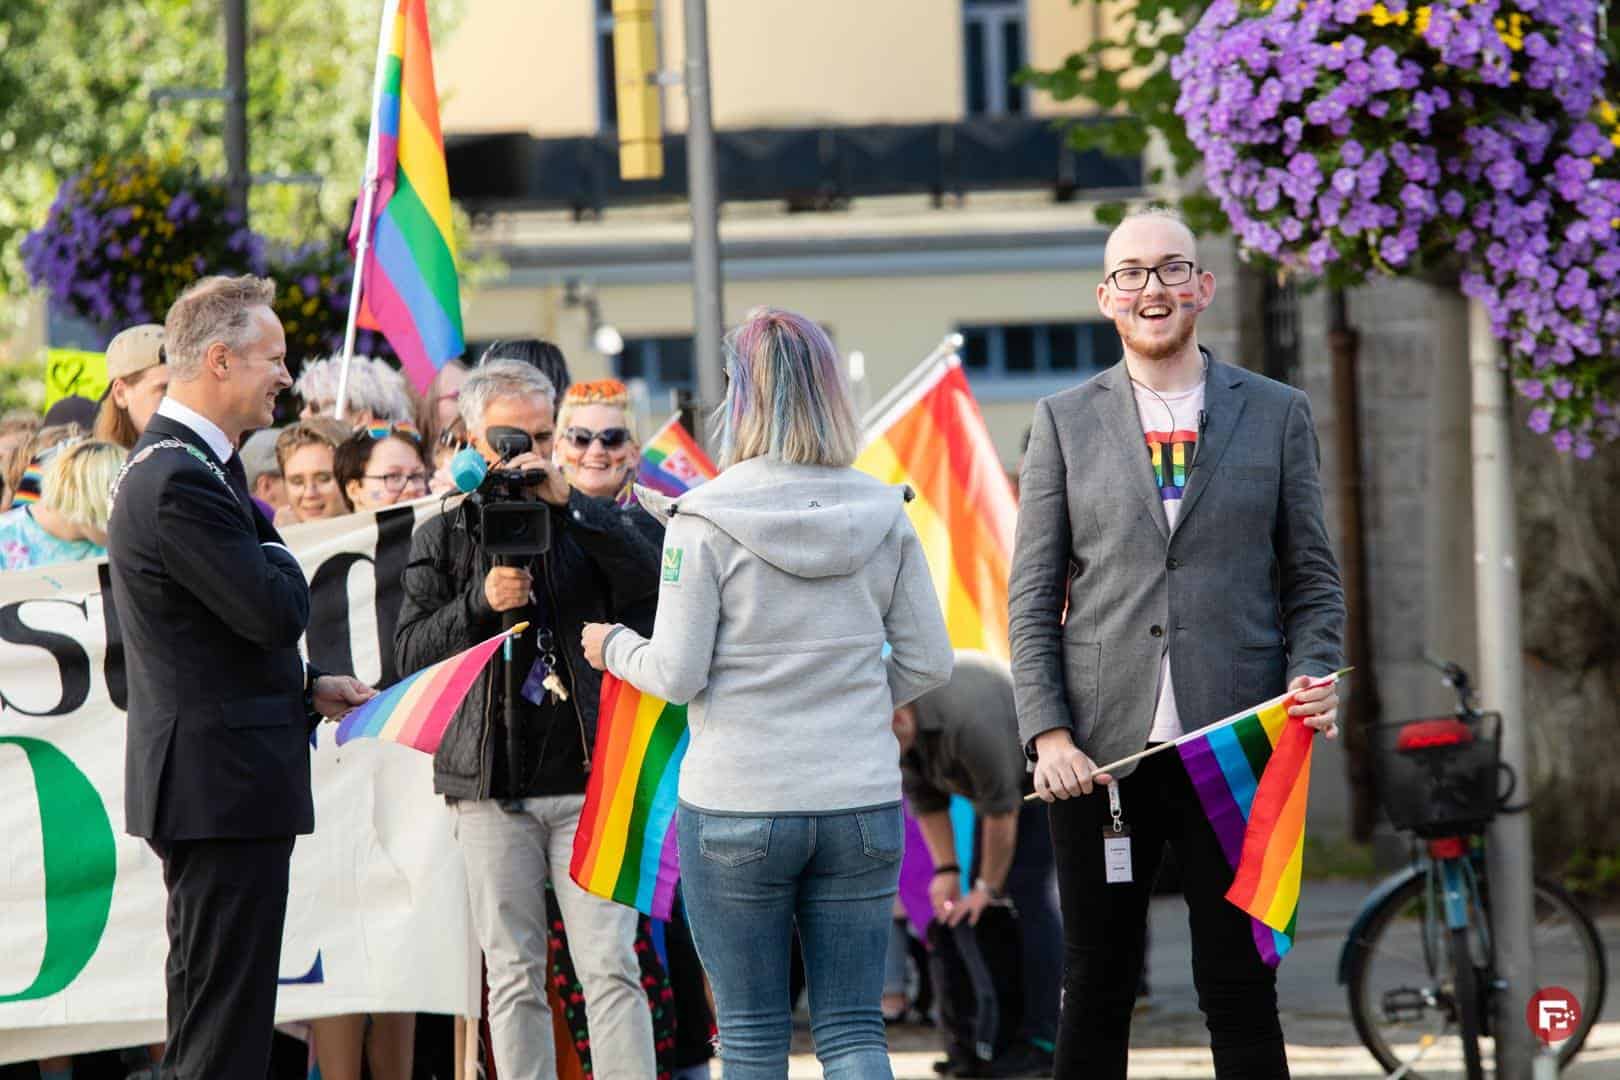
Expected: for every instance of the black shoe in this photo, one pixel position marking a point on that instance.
(1024, 1059)
(955, 1064)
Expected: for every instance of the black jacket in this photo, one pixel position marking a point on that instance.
(602, 567)
(218, 738)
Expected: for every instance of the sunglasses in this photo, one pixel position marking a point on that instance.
(382, 431)
(611, 438)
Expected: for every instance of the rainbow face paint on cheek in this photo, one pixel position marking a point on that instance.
(1122, 306)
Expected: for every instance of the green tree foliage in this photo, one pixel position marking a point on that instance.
(1125, 73)
(77, 80)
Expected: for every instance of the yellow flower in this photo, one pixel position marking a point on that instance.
(1338, 44)
(311, 306)
(1597, 159)
(1615, 139)
(1420, 21)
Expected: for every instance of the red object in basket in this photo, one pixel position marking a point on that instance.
(1424, 734)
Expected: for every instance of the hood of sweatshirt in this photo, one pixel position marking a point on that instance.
(810, 521)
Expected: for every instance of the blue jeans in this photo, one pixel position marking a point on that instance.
(747, 880)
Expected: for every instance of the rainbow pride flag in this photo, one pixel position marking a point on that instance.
(625, 848)
(1252, 773)
(934, 439)
(409, 289)
(672, 462)
(416, 710)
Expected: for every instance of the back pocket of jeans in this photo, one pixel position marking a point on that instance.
(734, 841)
(883, 834)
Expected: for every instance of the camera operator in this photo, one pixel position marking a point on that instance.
(516, 789)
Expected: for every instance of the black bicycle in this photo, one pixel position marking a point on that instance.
(1419, 964)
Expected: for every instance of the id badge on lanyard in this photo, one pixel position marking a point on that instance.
(1116, 842)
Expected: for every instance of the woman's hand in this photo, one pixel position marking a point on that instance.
(591, 638)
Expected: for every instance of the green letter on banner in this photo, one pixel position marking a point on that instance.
(80, 865)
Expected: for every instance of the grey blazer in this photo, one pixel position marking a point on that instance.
(1244, 593)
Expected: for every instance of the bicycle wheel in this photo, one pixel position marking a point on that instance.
(1402, 980)
(1465, 992)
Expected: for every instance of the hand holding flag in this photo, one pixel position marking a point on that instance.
(416, 710)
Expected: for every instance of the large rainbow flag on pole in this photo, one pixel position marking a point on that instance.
(625, 848)
(401, 229)
(930, 434)
(1252, 772)
(416, 710)
(672, 462)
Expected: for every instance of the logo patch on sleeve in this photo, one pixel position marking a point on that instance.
(672, 565)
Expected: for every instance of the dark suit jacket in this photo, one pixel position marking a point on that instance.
(218, 741)
(1244, 593)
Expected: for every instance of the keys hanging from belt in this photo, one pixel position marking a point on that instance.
(542, 679)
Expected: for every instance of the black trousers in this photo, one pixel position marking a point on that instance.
(227, 907)
(1104, 929)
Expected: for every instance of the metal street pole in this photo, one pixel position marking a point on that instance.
(237, 177)
(1501, 661)
(703, 194)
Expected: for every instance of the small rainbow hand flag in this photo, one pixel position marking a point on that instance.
(625, 847)
(672, 463)
(1252, 773)
(416, 710)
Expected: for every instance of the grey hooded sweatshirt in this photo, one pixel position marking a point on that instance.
(779, 586)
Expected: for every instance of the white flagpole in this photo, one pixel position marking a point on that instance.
(1325, 680)
(368, 198)
(943, 352)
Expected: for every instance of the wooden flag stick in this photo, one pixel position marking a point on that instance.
(1201, 732)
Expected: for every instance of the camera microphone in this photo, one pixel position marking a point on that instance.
(467, 470)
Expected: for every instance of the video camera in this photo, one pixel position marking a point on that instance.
(510, 522)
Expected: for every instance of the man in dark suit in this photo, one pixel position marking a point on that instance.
(1171, 567)
(211, 606)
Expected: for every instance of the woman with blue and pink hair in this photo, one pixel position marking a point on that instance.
(782, 579)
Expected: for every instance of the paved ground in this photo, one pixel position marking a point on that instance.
(1169, 1040)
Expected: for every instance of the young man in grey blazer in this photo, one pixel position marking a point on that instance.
(1171, 567)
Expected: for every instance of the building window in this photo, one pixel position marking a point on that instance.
(663, 363)
(993, 52)
(607, 90)
(1279, 355)
(1026, 358)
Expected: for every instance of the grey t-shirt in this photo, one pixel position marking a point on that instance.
(967, 742)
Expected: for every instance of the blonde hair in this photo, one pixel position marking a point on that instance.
(609, 392)
(113, 422)
(788, 397)
(213, 309)
(316, 431)
(78, 482)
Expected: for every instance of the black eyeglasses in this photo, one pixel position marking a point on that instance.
(394, 483)
(1135, 278)
(611, 438)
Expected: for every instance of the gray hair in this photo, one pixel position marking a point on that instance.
(374, 387)
(499, 379)
(213, 309)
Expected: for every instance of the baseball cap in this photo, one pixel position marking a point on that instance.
(134, 349)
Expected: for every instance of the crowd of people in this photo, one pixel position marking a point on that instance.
(789, 604)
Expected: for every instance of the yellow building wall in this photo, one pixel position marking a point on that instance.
(519, 65)
(531, 65)
(894, 321)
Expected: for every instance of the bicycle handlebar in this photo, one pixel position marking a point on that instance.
(1455, 676)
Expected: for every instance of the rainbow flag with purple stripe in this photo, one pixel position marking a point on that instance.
(409, 289)
(625, 848)
(672, 462)
(416, 710)
(1252, 773)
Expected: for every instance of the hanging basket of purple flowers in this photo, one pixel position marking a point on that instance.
(124, 237)
(1351, 138)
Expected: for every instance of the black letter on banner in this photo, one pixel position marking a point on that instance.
(113, 662)
(72, 661)
(329, 636)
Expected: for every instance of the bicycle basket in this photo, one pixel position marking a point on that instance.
(1439, 777)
